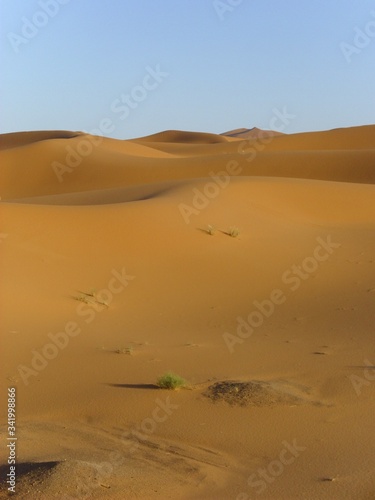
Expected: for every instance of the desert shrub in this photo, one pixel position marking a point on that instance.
(171, 381)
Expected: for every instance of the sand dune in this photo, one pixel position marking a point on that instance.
(252, 133)
(182, 137)
(77, 163)
(250, 275)
(19, 139)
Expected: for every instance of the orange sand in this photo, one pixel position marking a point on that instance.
(288, 301)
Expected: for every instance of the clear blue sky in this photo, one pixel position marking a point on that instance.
(224, 64)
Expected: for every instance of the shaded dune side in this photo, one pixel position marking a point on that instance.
(181, 136)
(251, 133)
(19, 139)
(128, 194)
(318, 202)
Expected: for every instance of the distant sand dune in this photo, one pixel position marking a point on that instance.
(19, 139)
(51, 163)
(180, 136)
(252, 133)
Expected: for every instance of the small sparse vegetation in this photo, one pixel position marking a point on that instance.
(125, 350)
(233, 231)
(171, 381)
(210, 230)
(90, 298)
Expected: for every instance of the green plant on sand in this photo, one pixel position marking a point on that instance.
(171, 381)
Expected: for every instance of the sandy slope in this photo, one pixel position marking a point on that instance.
(129, 221)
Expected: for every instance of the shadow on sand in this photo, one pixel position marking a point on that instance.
(135, 386)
